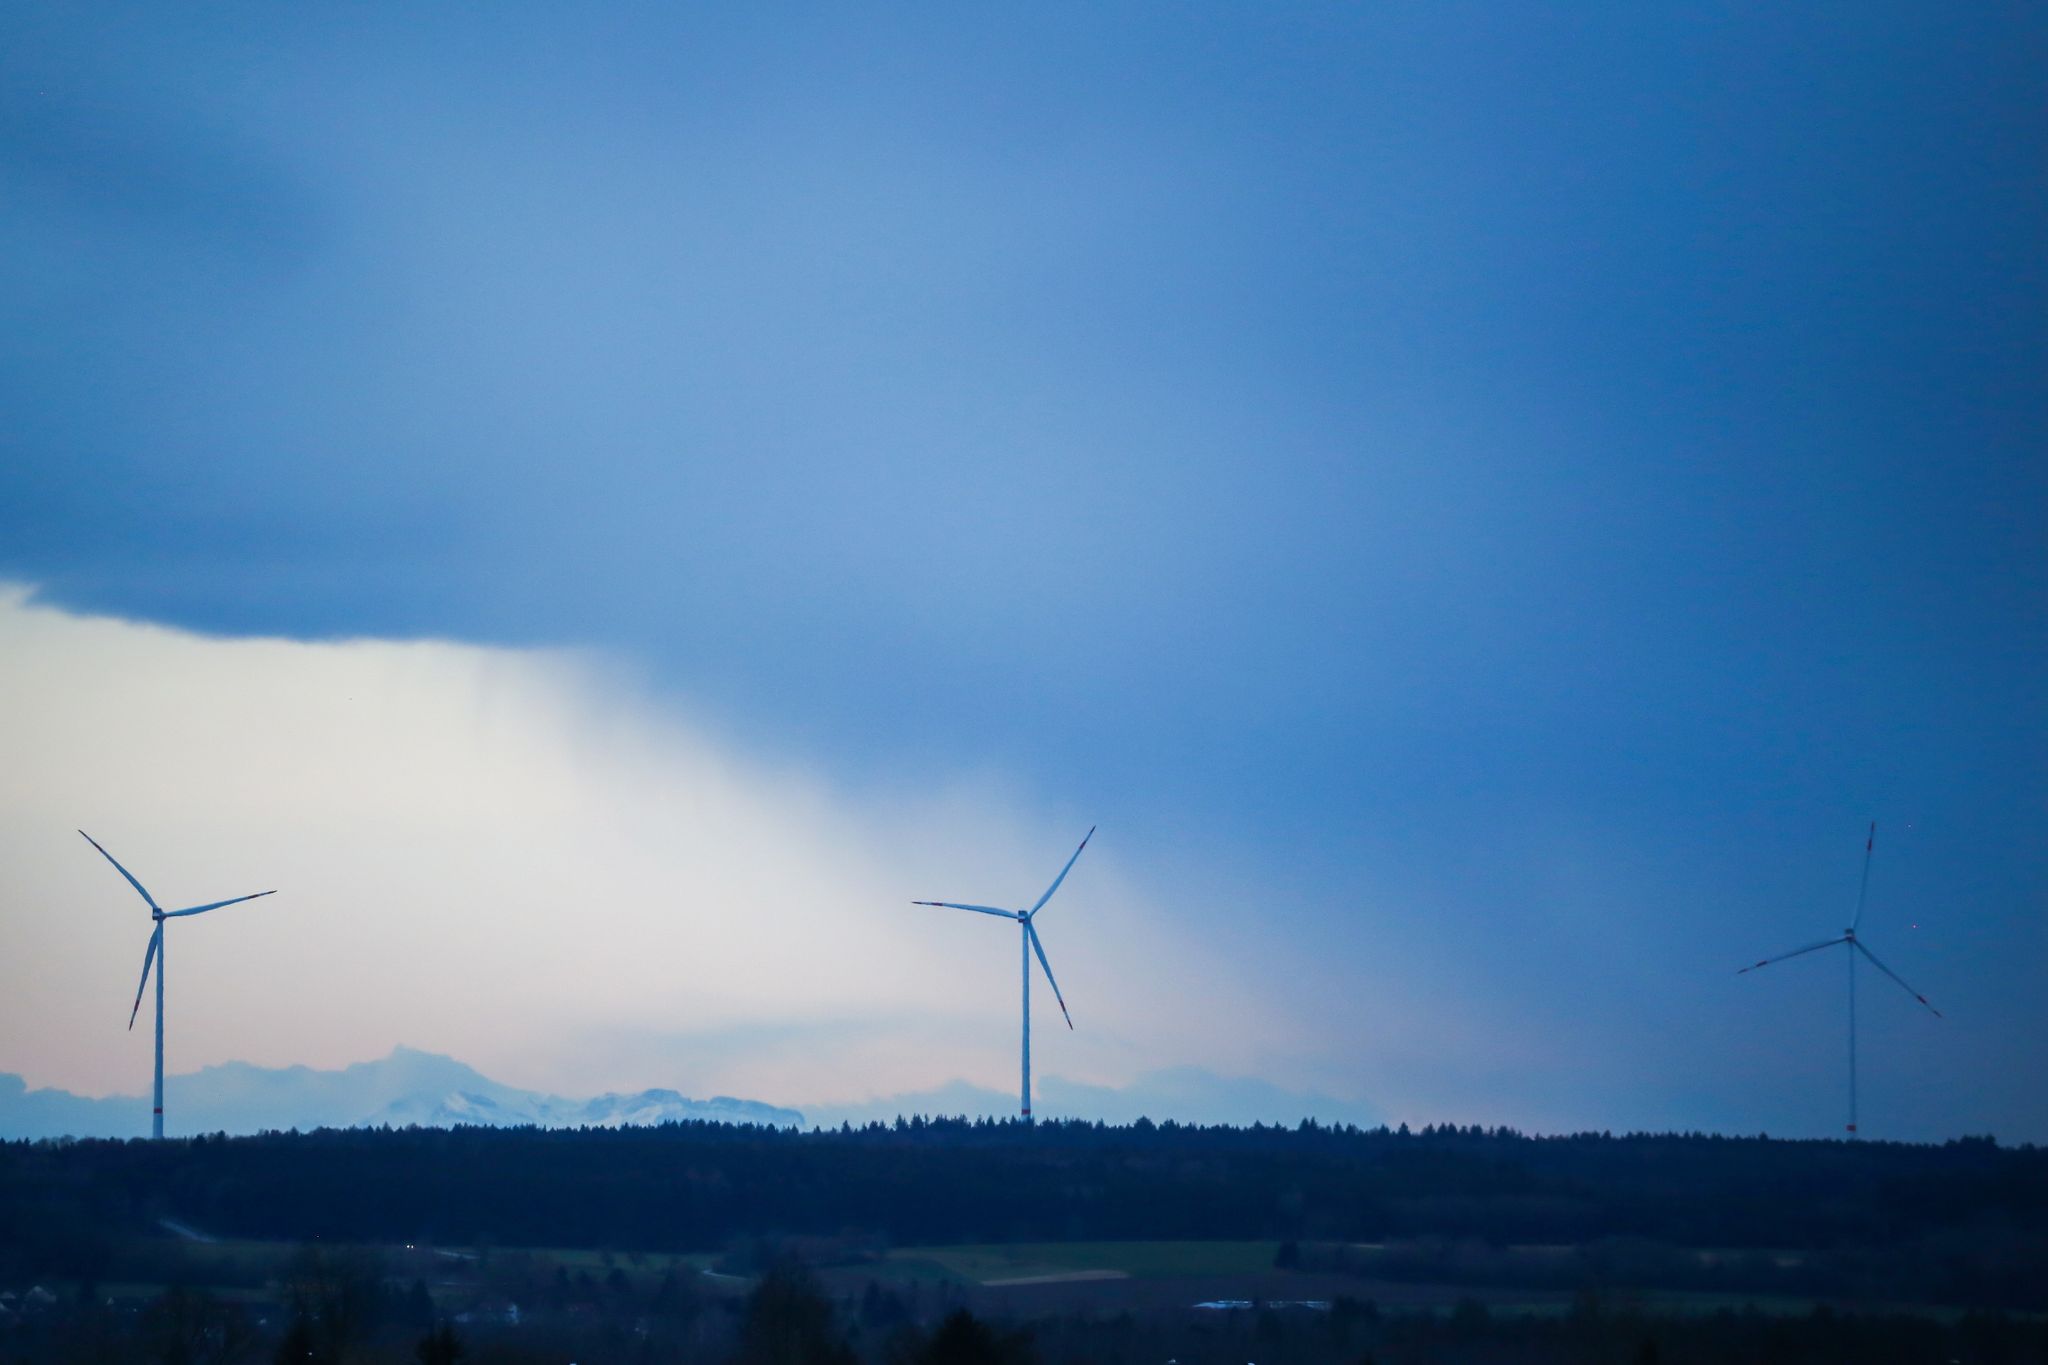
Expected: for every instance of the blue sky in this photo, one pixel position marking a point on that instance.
(1482, 506)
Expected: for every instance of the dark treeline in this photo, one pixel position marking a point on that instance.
(1971, 1205)
(334, 1309)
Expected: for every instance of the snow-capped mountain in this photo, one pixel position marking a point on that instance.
(509, 1108)
(666, 1106)
(411, 1087)
(407, 1087)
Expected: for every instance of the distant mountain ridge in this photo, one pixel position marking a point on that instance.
(608, 1110)
(425, 1089)
(409, 1087)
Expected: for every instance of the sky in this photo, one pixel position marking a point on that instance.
(603, 507)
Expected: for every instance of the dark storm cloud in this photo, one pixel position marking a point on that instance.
(1382, 448)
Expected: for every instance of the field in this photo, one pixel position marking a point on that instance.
(1203, 1302)
(1289, 1247)
(1021, 1279)
(996, 1265)
(1031, 1278)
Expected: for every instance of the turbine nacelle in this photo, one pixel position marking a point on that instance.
(1032, 946)
(1855, 946)
(153, 958)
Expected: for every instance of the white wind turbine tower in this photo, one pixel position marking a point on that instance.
(1031, 945)
(1855, 945)
(155, 956)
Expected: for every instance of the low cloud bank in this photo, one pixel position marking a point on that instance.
(517, 858)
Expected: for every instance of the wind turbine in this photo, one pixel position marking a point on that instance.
(155, 956)
(1031, 945)
(1855, 945)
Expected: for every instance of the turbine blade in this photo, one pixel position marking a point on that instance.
(1797, 952)
(1039, 948)
(202, 909)
(1896, 977)
(1864, 889)
(120, 869)
(1063, 875)
(148, 961)
(978, 909)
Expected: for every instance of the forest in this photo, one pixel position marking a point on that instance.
(1979, 1208)
(1054, 1241)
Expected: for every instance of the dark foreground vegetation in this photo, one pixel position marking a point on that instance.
(1965, 1223)
(338, 1309)
(712, 1243)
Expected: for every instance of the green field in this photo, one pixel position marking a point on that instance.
(249, 1271)
(980, 1264)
